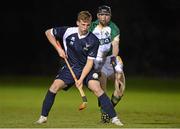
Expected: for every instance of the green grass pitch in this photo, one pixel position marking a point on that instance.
(147, 103)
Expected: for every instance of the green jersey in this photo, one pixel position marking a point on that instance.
(105, 36)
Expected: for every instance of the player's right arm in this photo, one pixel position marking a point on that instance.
(55, 43)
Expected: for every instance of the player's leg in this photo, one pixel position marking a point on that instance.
(105, 71)
(104, 100)
(49, 100)
(103, 81)
(50, 96)
(63, 79)
(119, 88)
(99, 62)
(117, 65)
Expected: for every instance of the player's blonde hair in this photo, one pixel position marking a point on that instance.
(84, 16)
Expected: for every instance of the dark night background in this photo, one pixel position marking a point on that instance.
(150, 34)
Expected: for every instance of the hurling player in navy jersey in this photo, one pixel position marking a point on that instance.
(80, 47)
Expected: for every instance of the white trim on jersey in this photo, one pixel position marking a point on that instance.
(68, 32)
(51, 31)
(116, 38)
(82, 36)
(91, 57)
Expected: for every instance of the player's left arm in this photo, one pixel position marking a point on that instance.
(115, 59)
(92, 53)
(87, 68)
(115, 45)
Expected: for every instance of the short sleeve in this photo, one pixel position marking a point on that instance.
(58, 32)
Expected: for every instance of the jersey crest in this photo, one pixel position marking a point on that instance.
(72, 40)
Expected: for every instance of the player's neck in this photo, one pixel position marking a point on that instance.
(81, 34)
(100, 26)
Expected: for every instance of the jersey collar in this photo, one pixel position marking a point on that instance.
(82, 36)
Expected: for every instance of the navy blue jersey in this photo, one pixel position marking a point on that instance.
(78, 48)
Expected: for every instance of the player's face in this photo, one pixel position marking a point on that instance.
(83, 26)
(104, 18)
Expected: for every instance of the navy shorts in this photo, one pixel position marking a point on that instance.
(65, 75)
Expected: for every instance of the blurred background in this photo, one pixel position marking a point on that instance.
(149, 47)
(150, 34)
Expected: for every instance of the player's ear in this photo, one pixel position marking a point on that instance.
(77, 22)
(97, 15)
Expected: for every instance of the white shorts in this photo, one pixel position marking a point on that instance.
(107, 68)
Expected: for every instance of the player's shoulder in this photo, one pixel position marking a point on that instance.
(60, 27)
(72, 29)
(93, 36)
(113, 25)
(93, 25)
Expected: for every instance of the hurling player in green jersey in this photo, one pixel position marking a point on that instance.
(108, 62)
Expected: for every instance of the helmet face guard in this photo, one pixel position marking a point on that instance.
(104, 10)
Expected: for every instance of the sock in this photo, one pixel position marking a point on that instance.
(99, 105)
(106, 105)
(115, 100)
(47, 103)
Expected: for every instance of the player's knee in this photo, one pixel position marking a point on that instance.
(95, 87)
(98, 91)
(54, 87)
